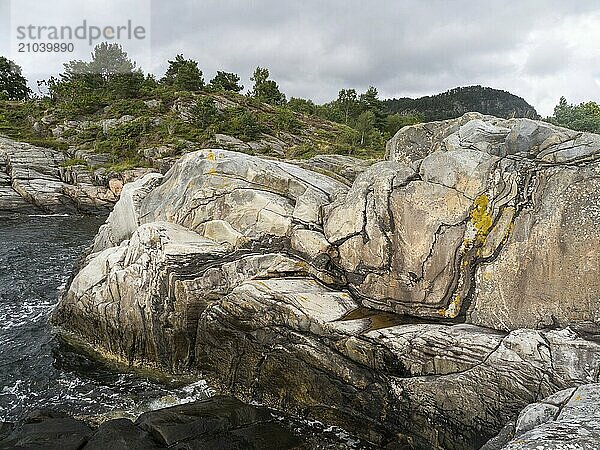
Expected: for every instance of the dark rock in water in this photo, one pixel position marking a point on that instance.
(217, 423)
(220, 422)
(258, 436)
(5, 429)
(43, 429)
(121, 434)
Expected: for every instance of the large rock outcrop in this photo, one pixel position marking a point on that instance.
(424, 305)
(526, 248)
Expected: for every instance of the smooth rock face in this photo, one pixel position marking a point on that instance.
(551, 256)
(125, 218)
(518, 219)
(397, 237)
(124, 292)
(534, 415)
(424, 305)
(258, 198)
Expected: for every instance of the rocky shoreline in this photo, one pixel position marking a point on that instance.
(567, 419)
(217, 423)
(35, 180)
(419, 303)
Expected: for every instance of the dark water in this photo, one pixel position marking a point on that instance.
(37, 255)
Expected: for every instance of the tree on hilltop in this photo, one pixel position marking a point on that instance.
(13, 85)
(225, 81)
(89, 85)
(348, 102)
(183, 74)
(108, 61)
(264, 89)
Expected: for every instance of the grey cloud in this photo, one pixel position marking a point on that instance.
(547, 57)
(410, 47)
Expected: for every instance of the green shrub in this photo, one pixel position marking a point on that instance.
(74, 162)
(285, 120)
(242, 124)
(127, 106)
(127, 164)
(204, 113)
(302, 151)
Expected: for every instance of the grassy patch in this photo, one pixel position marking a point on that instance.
(74, 162)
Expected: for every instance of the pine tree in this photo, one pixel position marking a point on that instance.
(13, 85)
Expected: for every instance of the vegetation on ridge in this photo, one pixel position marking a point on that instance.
(107, 106)
(582, 117)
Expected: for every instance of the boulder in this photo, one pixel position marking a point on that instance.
(49, 430)
(571, 423)
(341, 167)
(231, 143)
(93, 159)
(121, 434)
(109, 124)
(153, 104)
(497, 225)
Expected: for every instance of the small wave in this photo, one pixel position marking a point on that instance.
(187, 394)
(48, 215)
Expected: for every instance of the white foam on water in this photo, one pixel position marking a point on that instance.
(48, 215)
(187, 394)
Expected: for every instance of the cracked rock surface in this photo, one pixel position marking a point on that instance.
(423, 305)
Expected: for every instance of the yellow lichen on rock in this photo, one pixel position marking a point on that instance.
(481, 217)
(453, 307)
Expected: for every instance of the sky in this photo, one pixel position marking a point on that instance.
(537, 49)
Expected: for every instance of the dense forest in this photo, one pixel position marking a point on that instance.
(460, 100)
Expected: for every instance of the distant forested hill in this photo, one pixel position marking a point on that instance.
(458, 101)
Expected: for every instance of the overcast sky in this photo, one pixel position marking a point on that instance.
(538, 50)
